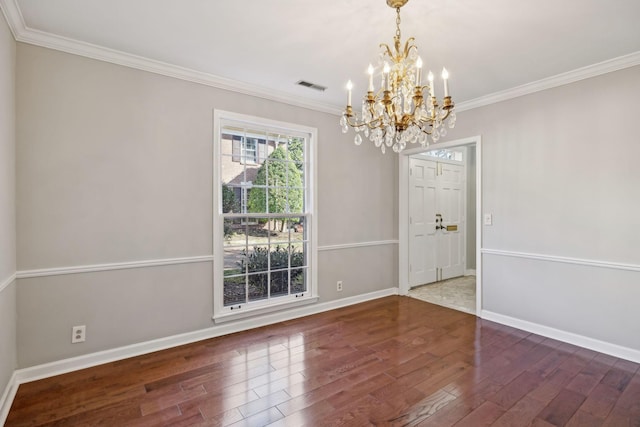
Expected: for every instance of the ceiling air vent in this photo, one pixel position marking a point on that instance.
(311, 85)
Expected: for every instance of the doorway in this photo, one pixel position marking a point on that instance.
(437, 216)
(438, 241)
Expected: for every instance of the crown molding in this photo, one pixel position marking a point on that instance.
(24, 34)
(13, 16)
(594, 70)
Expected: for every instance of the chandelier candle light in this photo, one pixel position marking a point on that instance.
(399, 113)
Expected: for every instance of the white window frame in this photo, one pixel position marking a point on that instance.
(220, 312)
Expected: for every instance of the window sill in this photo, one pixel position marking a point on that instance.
(228, 316)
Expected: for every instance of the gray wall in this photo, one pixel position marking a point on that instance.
(560, 176)
(7, 205)
(115, 165)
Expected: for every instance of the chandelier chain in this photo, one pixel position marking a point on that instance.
(398, 23)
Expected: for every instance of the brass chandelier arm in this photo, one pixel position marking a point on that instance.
(355, 124)
(387, 49)
(400, 55)
(408, 46)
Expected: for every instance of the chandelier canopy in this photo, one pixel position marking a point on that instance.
(398, 113)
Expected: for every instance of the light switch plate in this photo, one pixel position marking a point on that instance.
(488, 219)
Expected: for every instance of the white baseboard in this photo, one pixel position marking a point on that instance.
(470, 272)
(88, 360)
(7, 398)
(568, 337)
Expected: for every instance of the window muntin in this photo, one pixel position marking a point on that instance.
(265, 212)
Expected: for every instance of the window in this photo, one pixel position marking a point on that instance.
(264, 223)
(454, 155)
(246, 149)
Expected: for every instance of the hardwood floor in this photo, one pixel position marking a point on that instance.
(393, 361)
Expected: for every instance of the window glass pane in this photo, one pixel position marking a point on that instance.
(275, 180)
(295, 200)
(231, 198)
(279, 257)
(232, 230)
(298, 280)
(241, 231)
(257, 200)
(279, 283)
(445, 154)
(234, 261)
(257, 258)
(257, 231)
(296, 150)
(298, 255)
(231, 172)
(279, 230)
(226, 145)
(298, 229)
(258, 286)
(235, 290)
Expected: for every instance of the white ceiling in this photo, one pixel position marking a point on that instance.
(488, 46)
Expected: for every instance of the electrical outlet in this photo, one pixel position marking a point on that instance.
(339, 286)
(78, 334)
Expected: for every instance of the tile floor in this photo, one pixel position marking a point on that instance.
(458, 293)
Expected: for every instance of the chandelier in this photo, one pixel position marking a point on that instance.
(398, 113)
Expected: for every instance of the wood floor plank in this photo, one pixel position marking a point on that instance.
(631, 395)
(601, 401)
(513, 392)
(520, 414)
(588, 378)
(423, 409)
(392, 361)
(484, 415)
(560, 410)
(584, 419)
(310, 415)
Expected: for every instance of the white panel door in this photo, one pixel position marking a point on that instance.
(449, 204)
(436, 200)
(422, 225)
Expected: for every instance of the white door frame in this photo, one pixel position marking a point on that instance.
(403, 213)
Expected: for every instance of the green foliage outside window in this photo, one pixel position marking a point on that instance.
(296, 152)
(257, 261)
(284, 186)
